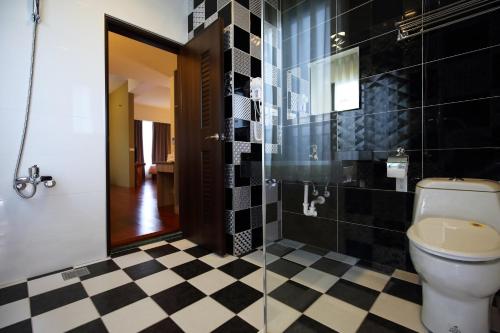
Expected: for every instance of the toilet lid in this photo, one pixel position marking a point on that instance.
(455, 239)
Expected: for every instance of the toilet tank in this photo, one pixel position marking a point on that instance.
(470, 199)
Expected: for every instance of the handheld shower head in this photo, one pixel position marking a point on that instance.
(36, 11)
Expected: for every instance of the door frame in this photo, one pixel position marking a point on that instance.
(113, 24)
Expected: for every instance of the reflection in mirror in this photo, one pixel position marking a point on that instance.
(335, 82)
(327, 85)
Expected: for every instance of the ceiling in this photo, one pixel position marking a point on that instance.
(148, 70)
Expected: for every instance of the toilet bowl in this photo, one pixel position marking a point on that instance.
(455, 248)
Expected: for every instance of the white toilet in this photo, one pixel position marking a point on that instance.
(455, 248)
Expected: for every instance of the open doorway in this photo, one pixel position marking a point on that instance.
(142, 192)
(182, 186)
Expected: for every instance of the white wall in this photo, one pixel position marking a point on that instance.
(66, 225)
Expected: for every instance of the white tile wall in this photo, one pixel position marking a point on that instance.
(66, 224)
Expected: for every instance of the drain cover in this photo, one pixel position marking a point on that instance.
(77, 272)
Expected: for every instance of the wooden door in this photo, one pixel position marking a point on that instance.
(200, 139)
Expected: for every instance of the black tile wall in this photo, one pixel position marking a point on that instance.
(313, 231)
(472, 124)
(463, 163)
(464, 77)
(479, 32)
(369, 207)
(436, 94)
(383, 246)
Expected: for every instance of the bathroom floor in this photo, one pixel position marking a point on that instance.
(178, 286)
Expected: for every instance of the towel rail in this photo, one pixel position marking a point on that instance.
(444, 16)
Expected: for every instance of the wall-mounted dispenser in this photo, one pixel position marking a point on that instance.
(397, 167)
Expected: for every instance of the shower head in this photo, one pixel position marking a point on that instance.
(36, 11)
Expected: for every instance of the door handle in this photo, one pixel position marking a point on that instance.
(216, 136)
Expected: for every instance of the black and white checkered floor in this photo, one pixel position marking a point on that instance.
(178, 286)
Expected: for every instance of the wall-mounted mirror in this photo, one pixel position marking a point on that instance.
(335, 82)
(327, 85)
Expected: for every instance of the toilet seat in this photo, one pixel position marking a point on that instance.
(456, 239)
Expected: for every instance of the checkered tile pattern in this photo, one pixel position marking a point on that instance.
(181, 287)
(243, 49)
(316, 290)
(160, 287)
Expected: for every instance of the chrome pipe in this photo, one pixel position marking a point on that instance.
(36, 11)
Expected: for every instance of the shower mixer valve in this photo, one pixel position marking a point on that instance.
(21, 184)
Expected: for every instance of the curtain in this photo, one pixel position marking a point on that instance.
(139, 147)
(161, 142)
(138, 153)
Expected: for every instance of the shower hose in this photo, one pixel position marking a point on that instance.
(27, 113)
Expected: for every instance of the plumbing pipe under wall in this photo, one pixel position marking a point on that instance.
(310, 210)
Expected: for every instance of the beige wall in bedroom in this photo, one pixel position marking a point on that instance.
(120, 136)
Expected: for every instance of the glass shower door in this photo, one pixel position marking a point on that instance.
(308, 79)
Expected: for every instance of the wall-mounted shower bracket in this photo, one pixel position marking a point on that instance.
(26, 186)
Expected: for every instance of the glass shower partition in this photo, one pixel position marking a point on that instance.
(341, 95)
(308, 78)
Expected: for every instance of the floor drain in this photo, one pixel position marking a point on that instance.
(77, 272)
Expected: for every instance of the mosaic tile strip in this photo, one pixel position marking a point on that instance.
(229, 129)
(241, 16)
(228, 175)
(228, 84)
(272, 75)
(256, 7)
(222, 3)
(242, 242)
(228, 37)
(242, 107)
(199, 15)
(241, 62)
(271, 148)
(241, 197)
(229, 221)
(211, 19)
(238, 148)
